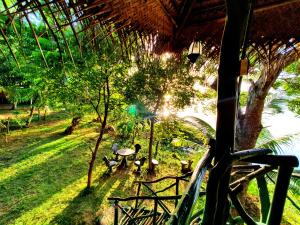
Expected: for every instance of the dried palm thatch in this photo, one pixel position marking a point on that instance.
(164, 25)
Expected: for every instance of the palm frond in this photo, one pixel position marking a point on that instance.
(276, 105)
(207, 129)
(266, 140)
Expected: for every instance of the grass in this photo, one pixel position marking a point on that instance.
(43, 175)
(291, 216)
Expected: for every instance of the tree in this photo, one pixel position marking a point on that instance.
(273, 60)
(153, 79)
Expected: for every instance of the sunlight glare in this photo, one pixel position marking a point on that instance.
(166, 113)
(167, 97)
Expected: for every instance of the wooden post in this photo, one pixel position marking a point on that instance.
(280, 193)
(7, 126)
(116, 213)
(155, 211)
(177, 191)
(138, 194)
(216, 208)
(150, 166)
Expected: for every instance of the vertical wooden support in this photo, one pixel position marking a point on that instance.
(280, 193)
(177, 191)
(116, 213)
(155, 211)
(216, 208)
(138, 194)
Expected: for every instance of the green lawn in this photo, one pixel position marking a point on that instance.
(43, 175)
(290, 215)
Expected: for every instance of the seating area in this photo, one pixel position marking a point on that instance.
(126, 153)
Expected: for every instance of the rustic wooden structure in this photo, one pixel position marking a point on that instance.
(142, 215)
(223, 27)
(185, 212)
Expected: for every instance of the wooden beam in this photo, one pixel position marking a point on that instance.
(217, 206)
(169, 16)
(221, 19)
(183, 16)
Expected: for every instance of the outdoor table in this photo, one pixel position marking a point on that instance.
(125, 152)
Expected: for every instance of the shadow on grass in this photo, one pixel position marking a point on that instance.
(44, 147)
(9, 156)
(88, 208)
(37, 184)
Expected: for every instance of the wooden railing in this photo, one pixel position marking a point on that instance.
(133, 218)
(158, 201)
(271, 213)
(176, 184)
(184, 205)
(184, 210)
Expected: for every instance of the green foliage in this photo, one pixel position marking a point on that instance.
(293, 68)
(290, 83)
(175, 133)
(157, 76)
(266, 140)
(206, 129)
(293, 186)
(276, 105)
(243, 98)
(43, 173)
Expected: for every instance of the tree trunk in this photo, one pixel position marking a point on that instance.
(249, 126)
(106, 97)
(150, 168)
(39, 114)
(249, 123)
(14, 105)
(32, 102)
(75, 122)
(152, 122)
(156, 149)
(45, 114)
(28, 122)
(94, 153)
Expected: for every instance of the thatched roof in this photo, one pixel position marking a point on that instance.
(172, 24)
(178, 23)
